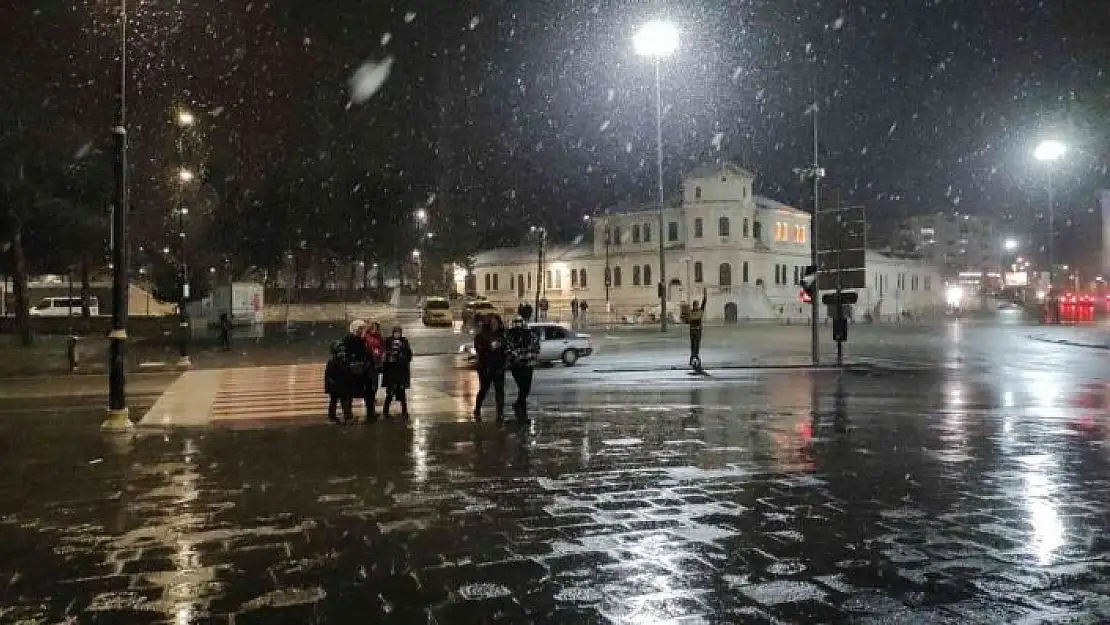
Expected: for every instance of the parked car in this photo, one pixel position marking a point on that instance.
(436, 311)
(557, 344)
(475, 311)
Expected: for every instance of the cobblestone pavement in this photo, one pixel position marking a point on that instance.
(961, 496)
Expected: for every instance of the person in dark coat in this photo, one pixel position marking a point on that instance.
(344, 375)
(697, 316)
(489, 347)
(396, 371)
(523, 348)
(225, 332)
(525, 312)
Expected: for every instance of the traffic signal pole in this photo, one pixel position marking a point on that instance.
(816, 174)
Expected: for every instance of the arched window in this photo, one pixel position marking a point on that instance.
(635, 275)
(724, 277)
(698, 272)
(722, 226)
(647, 275)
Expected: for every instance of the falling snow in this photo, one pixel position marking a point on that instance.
(369, 78)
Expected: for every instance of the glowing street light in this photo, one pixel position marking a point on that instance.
(184, 175)
(1049, 150)
(421, 215)
(1011, 245)
(658, 40)
(185, 118)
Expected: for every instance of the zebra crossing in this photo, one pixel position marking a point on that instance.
(282, 395)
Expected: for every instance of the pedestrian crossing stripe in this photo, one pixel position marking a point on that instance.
(274, 395)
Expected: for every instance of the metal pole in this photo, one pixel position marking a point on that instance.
(659, 172)
(814, 317)
(118, 417)
(1051, 231)
(539, 273)
(182, 304)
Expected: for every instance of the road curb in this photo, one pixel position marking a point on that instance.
(862, 368)
(1069, 343)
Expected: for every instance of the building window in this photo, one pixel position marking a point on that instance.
(573, 278)
(616, 276)
(698, 228)
(558, 280)
(795, 275)
(529, 280)
(776, 273)
(724, 275)
(722, 226)
(698, 277)
(635, 234)
(913, 283)
(582, 278)
(495, 287)
(672, 231)
(647, 233)
(617, 235)
(647, 275)
(547, 281)
(635, 275)
(697, 193)
(744, 272)
(745, 227)
(782, 230)
(757, 231)
(488, 282)
(928, 283)
(512, 282)
(799, 234)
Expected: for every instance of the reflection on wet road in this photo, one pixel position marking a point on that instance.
(958, 496)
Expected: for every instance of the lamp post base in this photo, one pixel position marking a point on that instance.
(118, 420)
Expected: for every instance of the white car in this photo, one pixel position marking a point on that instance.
(557, 344)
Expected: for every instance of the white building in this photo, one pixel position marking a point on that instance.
(747, 252)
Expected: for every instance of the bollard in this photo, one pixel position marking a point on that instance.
(71, 352)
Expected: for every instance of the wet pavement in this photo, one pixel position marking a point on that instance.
(972, 492)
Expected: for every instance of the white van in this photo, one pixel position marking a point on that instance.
(64, 307)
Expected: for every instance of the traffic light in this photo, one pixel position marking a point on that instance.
(809, 284)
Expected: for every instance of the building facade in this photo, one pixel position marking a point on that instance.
(956, 244)
(747, 253)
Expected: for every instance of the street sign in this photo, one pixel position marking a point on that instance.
(842, 253)
(829, 299)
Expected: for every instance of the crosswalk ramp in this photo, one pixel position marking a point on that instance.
(277, 395)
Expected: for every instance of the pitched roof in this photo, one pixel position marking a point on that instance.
(709, 170)
(769, 204)
(529, 253)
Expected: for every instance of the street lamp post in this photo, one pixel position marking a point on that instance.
(118, 417)
(184, 176)
(658, 40)
(541, 235)
(1049, 151)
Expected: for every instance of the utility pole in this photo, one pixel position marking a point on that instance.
(542, 234)
(816, 174)
(118, 417)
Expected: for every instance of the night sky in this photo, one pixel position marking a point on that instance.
(516, 113)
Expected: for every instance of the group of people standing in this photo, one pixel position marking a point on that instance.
(516, 350)
(360, 362)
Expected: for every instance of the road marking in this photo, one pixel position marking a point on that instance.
(275, 395)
